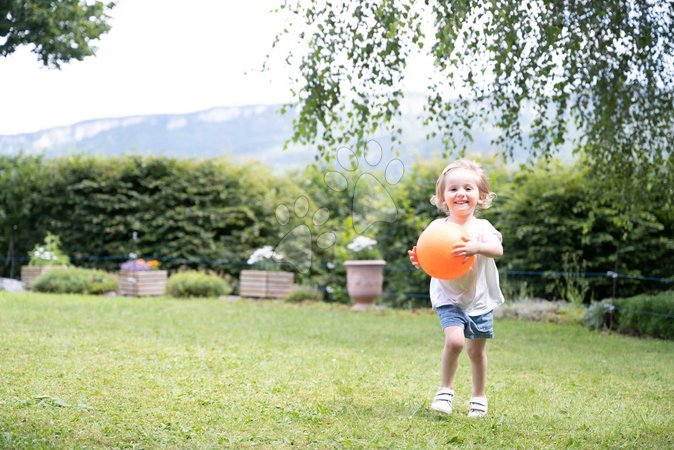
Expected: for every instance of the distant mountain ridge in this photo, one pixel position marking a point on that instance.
(247, 130)
(255, 132)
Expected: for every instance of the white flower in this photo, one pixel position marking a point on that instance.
(361, 243)
(41, 253)
(264, 253)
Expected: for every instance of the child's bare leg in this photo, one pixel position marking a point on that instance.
(450, 354)
(477, 352)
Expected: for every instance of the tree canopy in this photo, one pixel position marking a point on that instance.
(604, 70)
(59, 30)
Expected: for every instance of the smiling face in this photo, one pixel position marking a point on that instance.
(461, 194)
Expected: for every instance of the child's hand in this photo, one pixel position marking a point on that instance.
(413, 256)
(491, 248)
(466, 248)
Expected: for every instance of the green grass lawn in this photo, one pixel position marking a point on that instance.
(80, 372)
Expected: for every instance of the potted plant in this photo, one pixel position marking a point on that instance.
(364, 272)
(43, 257)
(138, 277)
(266, 281)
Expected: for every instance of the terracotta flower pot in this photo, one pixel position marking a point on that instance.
(364, 282)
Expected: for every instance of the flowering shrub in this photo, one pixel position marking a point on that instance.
(363, 248)
(265, 257)
(139, 264)
(48, 253)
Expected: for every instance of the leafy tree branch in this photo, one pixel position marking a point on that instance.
(59, 30)
(604, 70)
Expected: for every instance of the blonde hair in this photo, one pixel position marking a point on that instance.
(486, 195)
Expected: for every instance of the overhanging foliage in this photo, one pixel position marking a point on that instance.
(605, 69)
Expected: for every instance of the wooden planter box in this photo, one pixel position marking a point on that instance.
(31, 273)
(142, 283)
(265, 284)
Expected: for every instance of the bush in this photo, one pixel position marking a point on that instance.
(75, 280)
(646, 315)
(599, 315)
(196, 284)
(304, 293)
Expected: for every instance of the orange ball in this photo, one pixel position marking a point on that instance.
(434, 251)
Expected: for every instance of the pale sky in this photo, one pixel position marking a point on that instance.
(161, 56)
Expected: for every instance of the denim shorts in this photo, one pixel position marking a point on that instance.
(474, 327)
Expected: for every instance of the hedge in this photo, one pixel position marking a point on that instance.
(180, 210)
(212, 214)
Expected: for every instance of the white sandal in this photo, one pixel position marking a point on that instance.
(443, 401)
(478, 407)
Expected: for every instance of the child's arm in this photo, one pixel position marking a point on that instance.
(491, 248)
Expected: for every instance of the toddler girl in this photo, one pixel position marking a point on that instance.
(464, 305)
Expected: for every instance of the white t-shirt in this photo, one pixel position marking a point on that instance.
(478, 291)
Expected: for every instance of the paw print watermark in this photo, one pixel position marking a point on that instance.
(296, 244)
(371, 201)
(367, 181)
